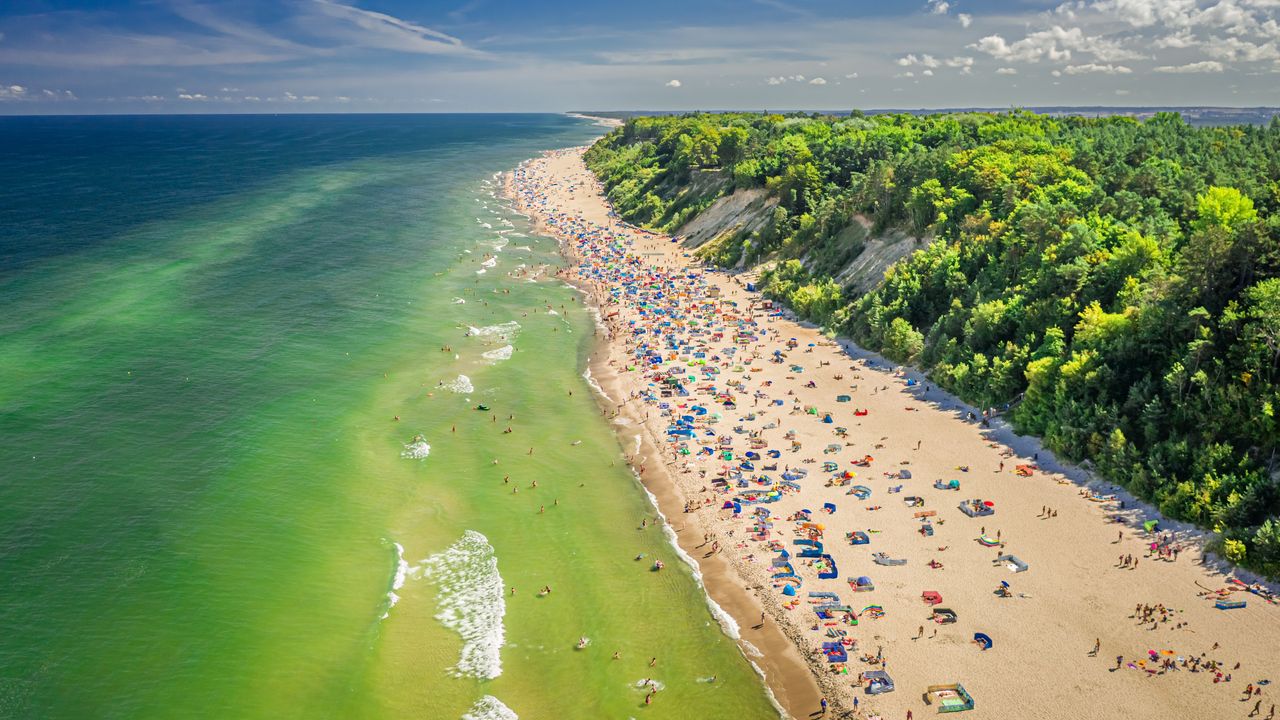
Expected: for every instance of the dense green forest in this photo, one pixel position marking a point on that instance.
(1116, 283)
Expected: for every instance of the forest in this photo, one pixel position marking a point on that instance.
(1112, 285)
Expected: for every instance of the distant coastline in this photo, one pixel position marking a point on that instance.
(1193, 114)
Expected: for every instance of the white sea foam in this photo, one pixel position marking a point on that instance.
(490, 708)
(461, 385)
(481, 271)
(502, 353)
(418, 449)
(586, 375)
(522, 247)
(459, 301)
(648, 684)
(471, 603)
(397, 581)
(768, 691)
(490, 262)
(503, 332)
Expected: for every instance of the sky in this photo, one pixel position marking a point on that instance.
(269, 56)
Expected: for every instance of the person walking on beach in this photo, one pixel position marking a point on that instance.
(1257, 709)
(1097, 645)
(823, 703)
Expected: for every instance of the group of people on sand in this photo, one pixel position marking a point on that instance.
(687, 342)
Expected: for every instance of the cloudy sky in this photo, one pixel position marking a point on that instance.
(90, 56)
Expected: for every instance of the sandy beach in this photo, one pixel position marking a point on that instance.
(754, 432)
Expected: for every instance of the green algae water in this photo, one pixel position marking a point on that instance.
(208, 508)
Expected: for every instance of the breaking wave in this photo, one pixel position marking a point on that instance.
(490, 708)
(502, 332)
(417, 449)
(502, 353)
(471, 603)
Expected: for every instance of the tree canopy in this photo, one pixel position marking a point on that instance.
(1114, 284)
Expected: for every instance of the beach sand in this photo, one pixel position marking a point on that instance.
(1075, 592)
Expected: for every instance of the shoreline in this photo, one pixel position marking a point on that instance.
(1069, 601)
(788, 678)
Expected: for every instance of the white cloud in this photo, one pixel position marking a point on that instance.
(1204, 66)
(673, 83)
(1094, 68)
(851, 76)
(939, 7)
(1122, 92)
(1227, 15)
(1181, 39)
(12, 92)
(776, 80)
(1055, 44)
(925, 60)
(193, 96)
(818, 81)
(1137, 13)
(965, 19)
(1006, 71)
(384, 32)
(1238, 50)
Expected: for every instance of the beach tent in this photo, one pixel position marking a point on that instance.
(789, 591)
(944, 616)
(933, 597)
(904, 475)
(1151, 525)
(835, 652)
(983, 640)
(978, 508)
(1013, 562)
(862, 584)
(830, 573)
(949, 698)
(878, 681)
(843, 398)
(857, 537)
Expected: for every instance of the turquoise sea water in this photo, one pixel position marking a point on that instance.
(208, 326)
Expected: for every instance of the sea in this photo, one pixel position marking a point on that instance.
(294, 424)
